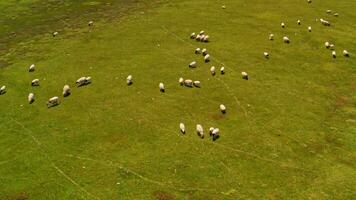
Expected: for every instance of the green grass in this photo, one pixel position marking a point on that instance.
(289, 132)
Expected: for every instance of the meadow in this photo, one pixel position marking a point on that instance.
(289, 131)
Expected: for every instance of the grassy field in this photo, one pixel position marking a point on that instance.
(289, 131)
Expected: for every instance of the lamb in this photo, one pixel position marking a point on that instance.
(3, 90)
(286, 40)
(90, 23)
(192, 36)
(66, 91)
(309, 29)
(182, 128)
(244, 75)
(31, 98)
(266, 54)
(196, 84)
(129, 80)
(207, 58)
(197, 51)
(200, 131)
(181, 81)
(193, 64)
(188, 83)
(346, 53)
(32, 68)
(222, 70)
(283, 25)
(204, 52)
(54, 101)
(222, 108)
(333, 54)
(161, 87)
(212, 70)
(35, 82)
(271, 37)
(298, 22)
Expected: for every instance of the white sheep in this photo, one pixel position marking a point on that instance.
(198, 38)
(129, 80)
(222, 108)
(324, 22)
(271, 37)
(244, 75)
(53, 102)
(332, 47)
(223, 6)
(336, 14)
(35, 82)
(207, 58)
(309, 1)
(161, 87)
(222, 70)
(31, 98)
(81, 81)
(88, 80)
(212, 70)
(346, 53)
(66, 91)
(193, 64)
(197, 51)
(182, 128)
(3, 90)
(215, 133)
(205, 38)
(298, 22)
(188, 83)
(309, 28)
(327, 45)
(286, 39)
(200, 130)
(32, 68)
(90, 23)
(328, 11)
(181, 81)
(283, 25)
(204, 52)
(333, 54)
(211, 129)
(193, 36)
(55, 34)
(266, 54)
(201, 32)
(196, 84)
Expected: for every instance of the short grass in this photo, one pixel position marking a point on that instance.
(289, 132)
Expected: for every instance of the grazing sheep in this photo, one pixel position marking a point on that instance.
(271, 37)
(55, 34)
(182, 128)
(211, 129)
(333, 54)
(328, 11)
(327, 45)
(223, 7)
(192, 36)
(193, 64)
(181, 81)
(201, 32)
(198, 38)
(205, 38)
(66, 91)
(204, 52)
(309, 1)
(332, 46)
(197, 51)
(222, 108)
(53, 102)
(3, 90)
(31, 98)
(286, 40)
(266, 54)
(309, 29)
(215, 133)
(212, 70)
(129, 80)
(207, 58)
(196, 84)
(87, 80)
(188, 83)
(83, 81)
(35, 82)
(222, 70)
(346, 53)
(200, 130)
(283, 25)
(244, 75)
(336, 14)
(90, 23)
(161, 87)
(32, 68)
(324, 22)
(298, 22)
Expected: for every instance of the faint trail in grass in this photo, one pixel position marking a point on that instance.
(61, 172)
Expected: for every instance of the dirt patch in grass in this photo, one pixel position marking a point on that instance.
(159, 195)
(20, 196)
(341, 102)
(217, 116)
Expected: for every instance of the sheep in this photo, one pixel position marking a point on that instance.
(181, 81)
(222, 70)
(324, 22)
(309, 29)
(182, 128)
(346, 53)
(188, 83)
(222, 108)
(90, 23)
(196, 84)
(298, 22)
(271, 37)
(207, 58)
(336, 14)
(54, 34)
(193, 64)
(32, 68)
(332, 46)
(333, 54)
(129, 80)
(201, 32)
(283, 25)
(200, 131)
(198, 38)
(204, 52)
(286, 40)
(192, 36)
(87, 80)
(266, 54)
(54, 101)
(211, 129)
(212, 70)
(31, 98)
(215, 134)
(327, 45)
(309, 1)
(197, 51)
(66, 91)
(244, 75)
(3, 90)
(161, 87)
(328, 11)
(83, 81)
(205, 38)
(35, 82)
(223, 7)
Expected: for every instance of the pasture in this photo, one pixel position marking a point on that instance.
(288, 133)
